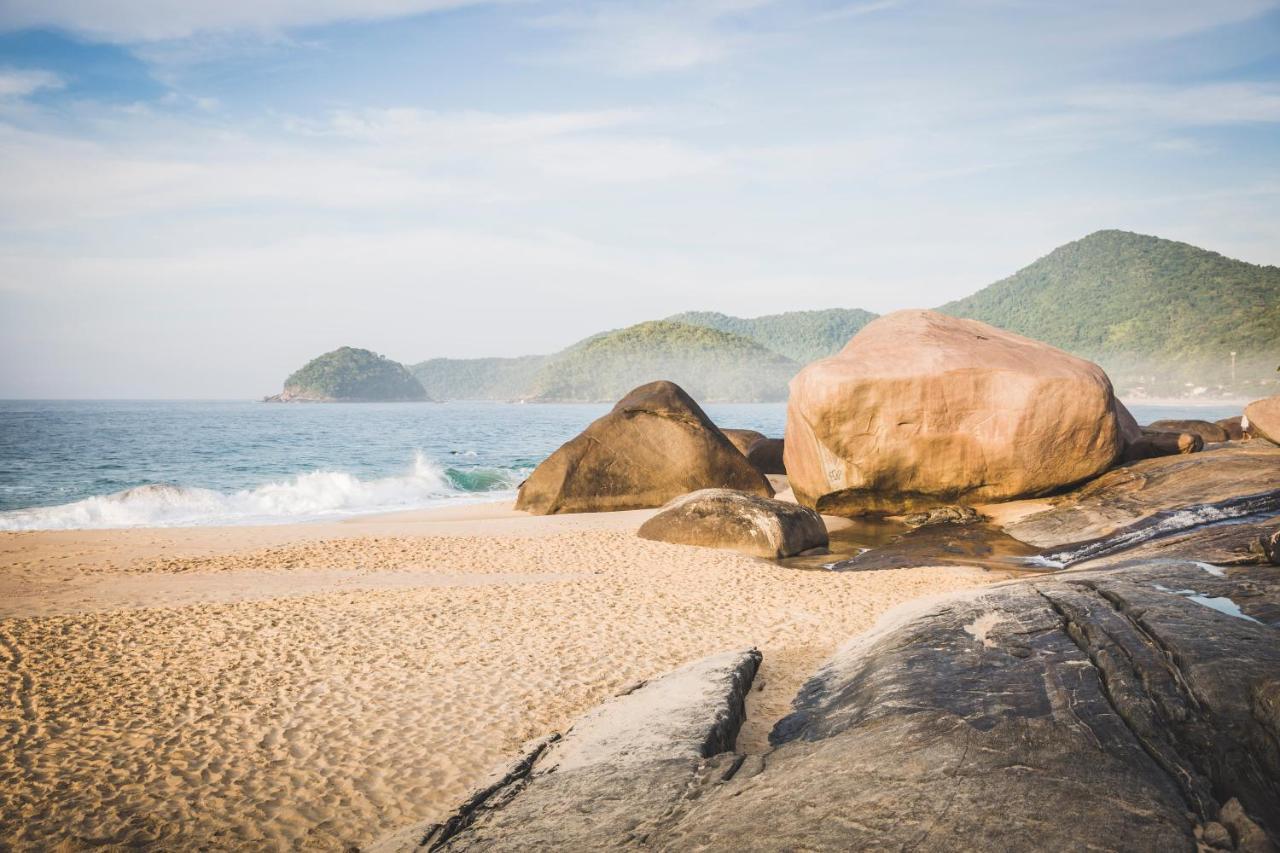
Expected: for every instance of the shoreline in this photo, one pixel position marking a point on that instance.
(322, 684)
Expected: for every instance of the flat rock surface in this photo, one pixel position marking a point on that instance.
(1131, 493)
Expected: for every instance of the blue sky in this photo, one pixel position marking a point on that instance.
(196, 198)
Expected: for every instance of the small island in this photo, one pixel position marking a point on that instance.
(351, 375)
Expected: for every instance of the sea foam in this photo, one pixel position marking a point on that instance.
(311, 496)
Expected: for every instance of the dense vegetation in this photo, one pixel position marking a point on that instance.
(801, 336)
(710, 364)
(479, 378)
(1158, 314)
(352, 374)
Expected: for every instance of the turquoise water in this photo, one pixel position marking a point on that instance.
(67, 464)
(74, 464)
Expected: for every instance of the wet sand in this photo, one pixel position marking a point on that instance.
(315, 686)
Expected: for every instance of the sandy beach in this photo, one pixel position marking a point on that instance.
(316, 686)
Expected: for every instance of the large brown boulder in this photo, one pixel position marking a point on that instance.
(654, 445)
(1263, 417)
(921, 409)
(721, 518)
(1210, 432)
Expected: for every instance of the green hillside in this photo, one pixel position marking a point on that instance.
(479, 378)
(1157, 314)
(801, 336)
(351, 375)
(713, 366)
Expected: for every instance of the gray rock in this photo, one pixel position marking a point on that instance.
(1087, 710)
(723, 518)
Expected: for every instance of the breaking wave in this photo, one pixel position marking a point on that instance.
(311, 496)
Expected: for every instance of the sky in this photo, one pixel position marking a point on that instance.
(197, 198)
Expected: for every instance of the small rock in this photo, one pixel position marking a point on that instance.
(943, 515)
(1247, 835)
(1216, 835)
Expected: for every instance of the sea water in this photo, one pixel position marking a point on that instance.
(75, 464)
(66, 464)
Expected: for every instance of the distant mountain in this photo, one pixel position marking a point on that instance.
(713, 366)
(1157, 314)
(479, 378)
(1162, 317)
(351, 375)
(802, 336)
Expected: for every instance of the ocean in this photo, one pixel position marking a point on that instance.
(101, 464)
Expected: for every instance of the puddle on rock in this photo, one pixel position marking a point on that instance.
(870, 544)
(1222, 604)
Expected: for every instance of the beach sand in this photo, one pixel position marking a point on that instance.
(316, 686)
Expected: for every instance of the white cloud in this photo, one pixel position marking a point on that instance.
(18, 83)
(1185, 106)
(155, 20)
(653, 37)
(138, 161)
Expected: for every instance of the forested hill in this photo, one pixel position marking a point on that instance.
(711, 365)
(802, 336)
(349, 374)
(1156, 313)
(479, 378)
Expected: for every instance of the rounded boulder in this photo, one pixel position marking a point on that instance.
(921, 409)
(723, 518)
(654, 445)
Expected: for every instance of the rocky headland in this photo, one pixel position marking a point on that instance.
(350, 375)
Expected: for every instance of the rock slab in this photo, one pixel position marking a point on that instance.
(656, 444)
(921, 409)
(722, 518)
(623, 772)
